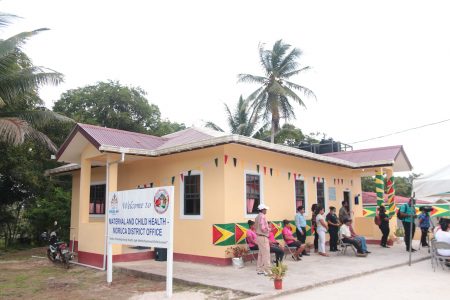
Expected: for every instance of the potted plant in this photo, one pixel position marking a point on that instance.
(236, 252)
(277, 272)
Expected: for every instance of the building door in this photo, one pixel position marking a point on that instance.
(347, 199)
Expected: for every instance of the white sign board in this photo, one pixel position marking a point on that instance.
(141, 217)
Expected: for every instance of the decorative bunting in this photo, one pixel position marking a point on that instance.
(216, 161)
(189, 173)
(270, 171)
(323, 179)
(295, 176)
(342, 181)
(173, 179)
(234, 161)
(264, 170)
(334, 181)
(351, 182)
(223, 234)
(182, 177)
(225, 159)
(318, 179)
(151, 184)
(289, 175)
(257, 168)
(314, 179)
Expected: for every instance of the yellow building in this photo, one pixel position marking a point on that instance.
(219, 181)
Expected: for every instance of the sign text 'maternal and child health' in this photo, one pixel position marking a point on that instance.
(140, 217)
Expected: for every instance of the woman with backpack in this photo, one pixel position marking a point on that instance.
(384, 225)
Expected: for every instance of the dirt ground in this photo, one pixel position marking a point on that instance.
(23, 276)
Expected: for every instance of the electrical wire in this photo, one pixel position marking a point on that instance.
(401, 131)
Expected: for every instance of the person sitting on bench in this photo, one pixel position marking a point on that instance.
(346, 237)
(291, 241)
(275, 248)
(251, 236)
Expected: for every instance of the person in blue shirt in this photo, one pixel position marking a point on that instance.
(424, 223)
(300, 223)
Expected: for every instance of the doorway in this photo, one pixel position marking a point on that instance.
(347, 199)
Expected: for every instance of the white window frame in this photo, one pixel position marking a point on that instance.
(305, 185)
(191, 217)
(106, 195)
(261, 192)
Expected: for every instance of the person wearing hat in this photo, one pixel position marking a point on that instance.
(262, 233)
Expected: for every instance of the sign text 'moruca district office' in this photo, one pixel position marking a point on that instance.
(140, 217)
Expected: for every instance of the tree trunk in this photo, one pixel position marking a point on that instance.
(272, 133)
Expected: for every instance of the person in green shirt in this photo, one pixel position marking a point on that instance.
(407, 211)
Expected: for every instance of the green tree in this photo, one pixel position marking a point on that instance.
(368, 184)
(275, 91)
(242, 120)
(113, 105)
(19, 84)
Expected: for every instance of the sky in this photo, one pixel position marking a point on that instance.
(377, 67)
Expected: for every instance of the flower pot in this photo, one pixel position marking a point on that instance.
(238, 262)
(278, 283)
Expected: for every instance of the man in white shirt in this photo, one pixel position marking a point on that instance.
(346, 237)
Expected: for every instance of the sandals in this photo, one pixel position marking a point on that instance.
(296, 258)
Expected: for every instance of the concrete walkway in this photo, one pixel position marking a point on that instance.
(312, 271)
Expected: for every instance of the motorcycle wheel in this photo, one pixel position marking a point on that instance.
(50, 256)
(65, 260)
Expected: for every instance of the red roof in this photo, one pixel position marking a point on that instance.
(120, 138)
(370, 198)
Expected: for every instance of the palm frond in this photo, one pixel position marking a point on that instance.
(278, 51)
(37, 118)
(295, 72)
(22, 81)
(17, 41)
(290, 61)
(16, 131)
(307, 92)
(251, 79)
(5, 19)
(265, 59)
(213, 126)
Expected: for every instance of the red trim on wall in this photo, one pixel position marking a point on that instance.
(134, 256)
(89, 258)
(94, 259)
(75, 249)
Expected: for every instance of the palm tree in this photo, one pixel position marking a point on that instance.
(242, 121)
(19, 84)
(275, 91)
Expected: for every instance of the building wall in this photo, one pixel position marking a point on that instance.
(278, 190)
(223, 193)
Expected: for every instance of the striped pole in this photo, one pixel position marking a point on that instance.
(379, 187)
(391, 195)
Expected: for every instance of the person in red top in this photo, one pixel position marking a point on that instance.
(251, 236)
(275, 248)
(291, 241)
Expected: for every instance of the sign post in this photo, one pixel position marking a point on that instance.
(142, 217)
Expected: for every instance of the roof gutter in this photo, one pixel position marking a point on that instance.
(237, 139)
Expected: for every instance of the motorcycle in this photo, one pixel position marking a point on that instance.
(57, 251)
